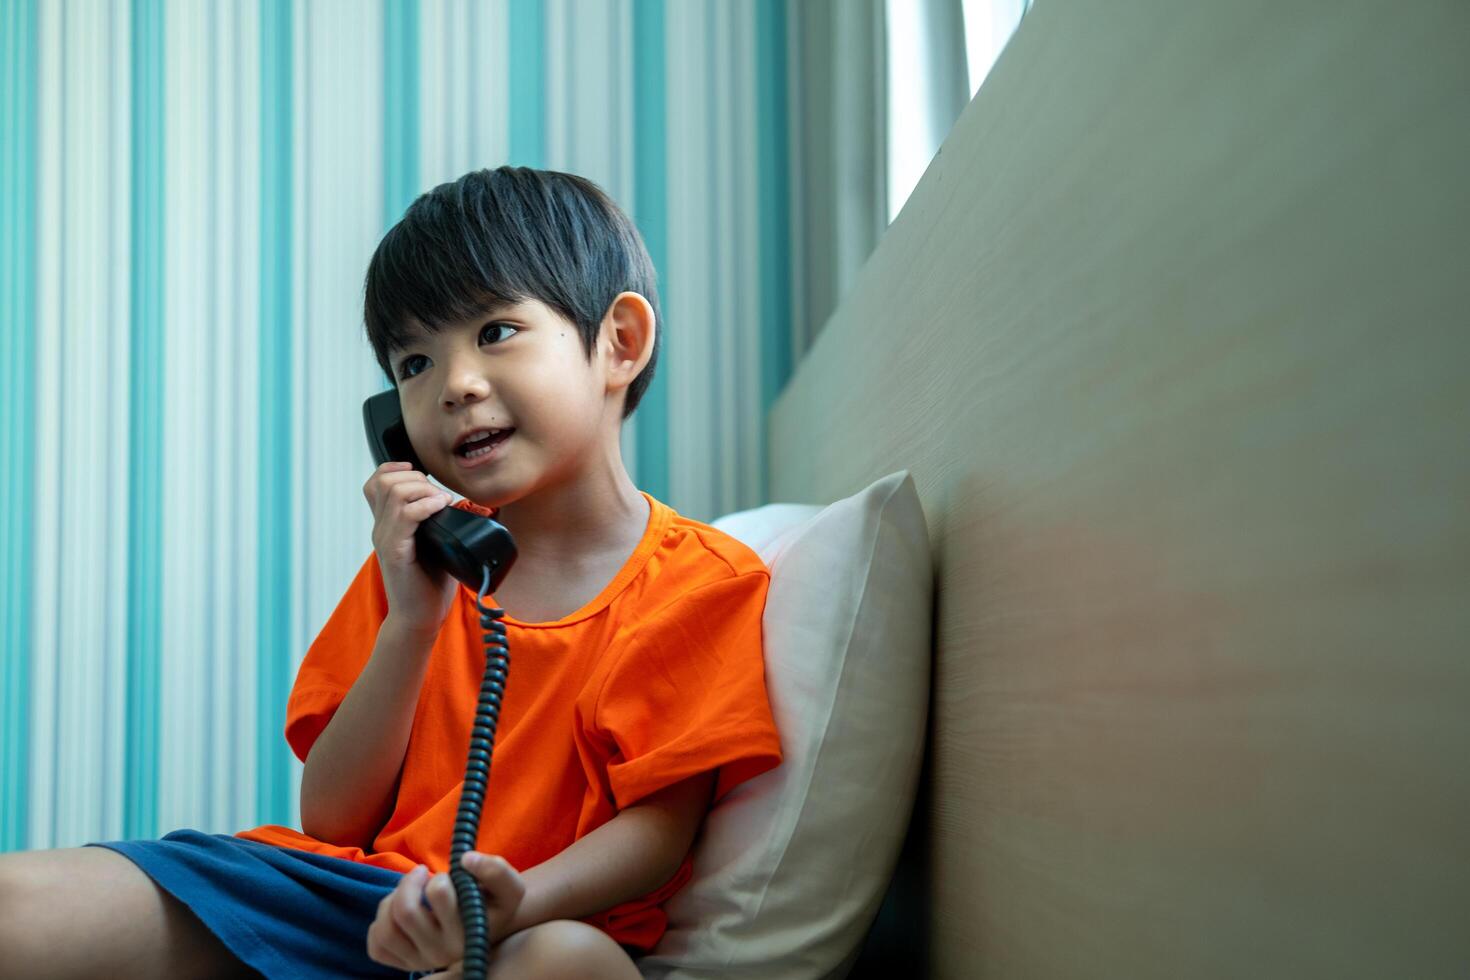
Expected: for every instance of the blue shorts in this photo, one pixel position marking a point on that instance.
(283, 912)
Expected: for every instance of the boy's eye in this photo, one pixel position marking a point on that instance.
(403, 365)
(498, 326)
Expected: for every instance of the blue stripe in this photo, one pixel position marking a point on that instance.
(400, 107)
(18, 45)
(650, 194)
(273, 491)
(527, 45)
(775, 209)
(145, 418)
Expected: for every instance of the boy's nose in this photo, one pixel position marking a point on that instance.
(465, 386)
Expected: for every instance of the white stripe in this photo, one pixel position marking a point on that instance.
(303, 119)
(434, 79)
(622, 182)
(724, 317)
(796, 125)
(113, 751)
(84, 423)
(558, 86)
(691, 426)
(227, 402)
(589, 102)
(45, 609)
(491, 76)
(244, 516)
(622, 138)
(86, 405)
(234, 338)
(460, 68)
(750, 330)
(188, 397)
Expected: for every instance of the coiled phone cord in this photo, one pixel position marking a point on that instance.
(476, 775)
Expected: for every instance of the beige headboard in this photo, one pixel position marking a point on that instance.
(1174, 337)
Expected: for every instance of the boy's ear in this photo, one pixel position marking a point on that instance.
(627, 338)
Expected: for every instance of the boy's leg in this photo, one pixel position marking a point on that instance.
(90, 912)
(561, 950)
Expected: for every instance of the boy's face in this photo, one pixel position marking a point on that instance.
(521, 368)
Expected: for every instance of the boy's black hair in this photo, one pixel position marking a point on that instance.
(503, 236)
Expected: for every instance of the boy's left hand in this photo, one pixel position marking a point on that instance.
(418, 926)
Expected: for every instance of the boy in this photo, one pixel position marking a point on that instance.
(516, 312)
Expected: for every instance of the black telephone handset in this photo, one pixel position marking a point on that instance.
(478, 551)
(454, 540)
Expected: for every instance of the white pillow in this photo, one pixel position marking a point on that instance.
(790, 866)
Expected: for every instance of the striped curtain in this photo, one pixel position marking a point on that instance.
(189, 194)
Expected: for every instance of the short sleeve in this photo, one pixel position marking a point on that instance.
(687, 694)
(336, 657)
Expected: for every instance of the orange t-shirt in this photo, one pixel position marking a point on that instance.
(658, 678)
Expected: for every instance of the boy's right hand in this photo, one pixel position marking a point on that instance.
(418, 924)
(402, 498)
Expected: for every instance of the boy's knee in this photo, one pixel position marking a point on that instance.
(17, 888)
(572, 950)
(83, 911)
(15, 878)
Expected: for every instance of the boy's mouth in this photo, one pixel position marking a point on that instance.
(482, 444)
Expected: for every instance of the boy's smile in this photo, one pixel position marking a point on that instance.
(481, 446)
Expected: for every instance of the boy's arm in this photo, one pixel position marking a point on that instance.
(631, 855)
(352, 768)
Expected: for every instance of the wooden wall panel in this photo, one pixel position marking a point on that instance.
(1174, 337)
